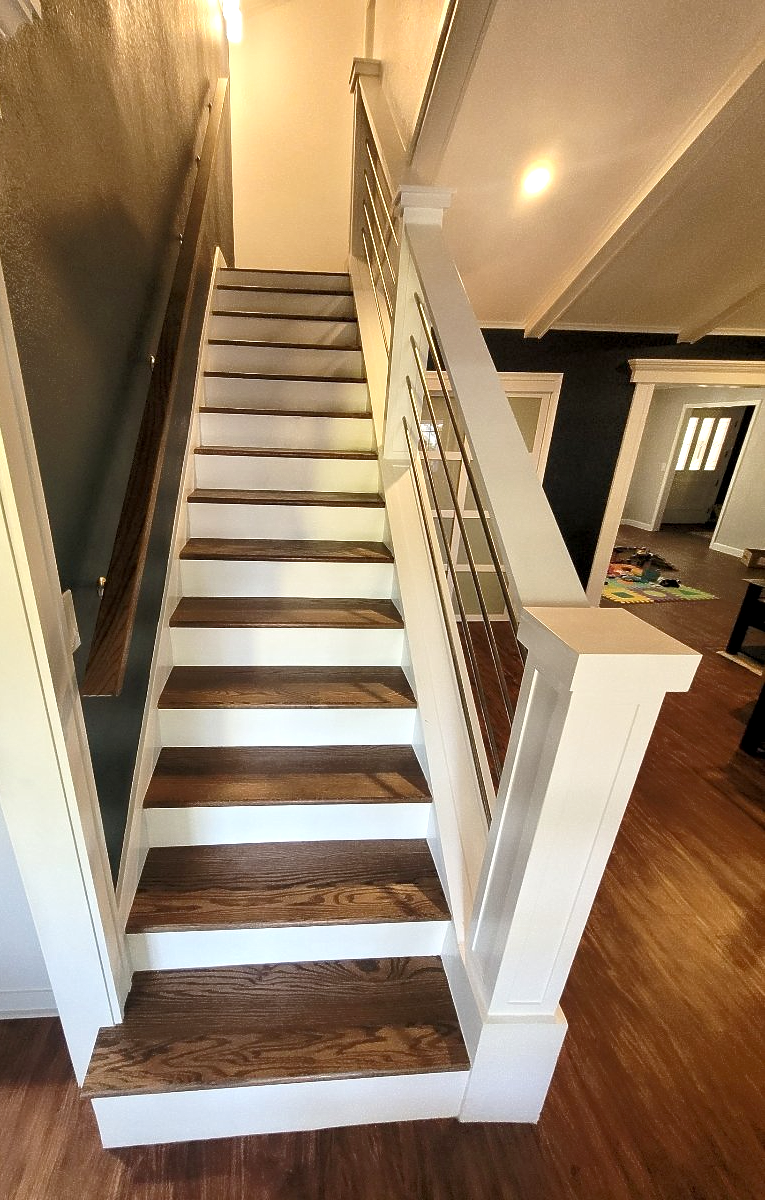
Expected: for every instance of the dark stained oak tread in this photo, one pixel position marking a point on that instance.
(234, 1026)
(287, 687)
(280, 884)
(325, 499)
(273, 375)
(287, 452)
(217, 776)
(261, 411)
(275, 316)
(285, 550)
(264, 344)
(277, 612)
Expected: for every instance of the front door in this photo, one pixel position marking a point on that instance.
(706, 444)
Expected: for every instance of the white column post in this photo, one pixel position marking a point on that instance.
(362, 68)
(592, 689)
(415, 206)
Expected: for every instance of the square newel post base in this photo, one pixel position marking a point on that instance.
(512, 1067)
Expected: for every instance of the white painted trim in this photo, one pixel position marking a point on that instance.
(647, 526)
(242, 823)
(136, 842)
(735, 551)
(682, 372)
(277, 1108)
(702, 322)
(653, 192)
(26, 1002)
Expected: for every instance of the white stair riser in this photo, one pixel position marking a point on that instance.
(176, 950)
(312, 282)
(325, 363)
(237, 824)
(286, 726)
(277, 1108)
(287, 647)
(289, 432)
(287, 474)
(318, 304)
(293, 521)
(284, 329)
(331, 395)
(205, 577)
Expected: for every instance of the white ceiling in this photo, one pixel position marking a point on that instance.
(653, 117)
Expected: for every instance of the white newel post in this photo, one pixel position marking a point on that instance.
(592, 689)
(415, 206)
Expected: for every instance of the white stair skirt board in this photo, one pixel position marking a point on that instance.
(252, 471)
(317, 647)
(312, 332)
(276, 1108)
(307, 280)
(246, 823)
(298, 522)
(286, 726)
(327, 362)
(330, 395)
(291, 432)
(178, 949)
(227, 577)
(271, 300)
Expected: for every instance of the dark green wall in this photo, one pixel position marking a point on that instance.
(592, 412)
(103, 109)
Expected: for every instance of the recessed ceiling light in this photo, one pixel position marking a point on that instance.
(537, 178)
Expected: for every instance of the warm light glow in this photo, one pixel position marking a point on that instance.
(537, 179)
(233, 18)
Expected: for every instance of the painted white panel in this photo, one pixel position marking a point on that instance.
(286, 727)
(203, 577)
(285, 823)
(285, 329)
(291, 118)
(301, 522)
(289, 431)
(276, 1108)
(331, 395)
(272, 300)
(312, 281)
(287, 474)
(325, 362)
(24, 985)
(742, 520)
(288, 647)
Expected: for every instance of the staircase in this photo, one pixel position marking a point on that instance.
(287, 928)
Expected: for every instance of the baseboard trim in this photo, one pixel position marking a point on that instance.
(734, 551)
(26, 1002)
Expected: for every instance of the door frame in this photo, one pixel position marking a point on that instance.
(647, 374)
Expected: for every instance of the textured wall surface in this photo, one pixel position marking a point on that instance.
(103, 109)
(405, 39)
(592, 412)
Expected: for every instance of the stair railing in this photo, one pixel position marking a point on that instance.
(527, 818)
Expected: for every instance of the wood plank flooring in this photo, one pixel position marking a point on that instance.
(287, 687)
(230, 1026)
(221, 775)
(253, 886)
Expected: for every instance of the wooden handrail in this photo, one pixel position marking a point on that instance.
(107, 662)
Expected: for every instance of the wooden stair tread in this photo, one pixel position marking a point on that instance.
(278, 884)
(275, 316)
(281, 550)
(263, 344)
(242, 775)
(278, 612)
(262, 411)
(287, 687)
(234, 1026)
(271, 496)
(287, 452)
(273, 375)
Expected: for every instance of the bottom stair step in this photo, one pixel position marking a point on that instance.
(239, 1026)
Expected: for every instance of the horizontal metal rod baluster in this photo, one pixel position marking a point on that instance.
(495, 557)
(493, 647)
(388, 303)
(379, 229)
(385, 202)
(437, 571)
(460, 603)
(374, 290)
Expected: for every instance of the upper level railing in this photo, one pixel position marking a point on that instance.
(110, 646)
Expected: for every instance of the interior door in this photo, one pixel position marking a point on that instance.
(707, 440)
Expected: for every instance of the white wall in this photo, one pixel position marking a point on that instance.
(405, 38)
(291, 130)
(24, 986)
(650, 481)
(742, 521)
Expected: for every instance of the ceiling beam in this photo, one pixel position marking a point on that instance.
(462, 33)
(733, 98)
(712, 317)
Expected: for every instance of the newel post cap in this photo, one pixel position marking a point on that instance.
(422, 205)
(363, 66)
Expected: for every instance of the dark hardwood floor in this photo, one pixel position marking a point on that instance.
(658, 1090)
